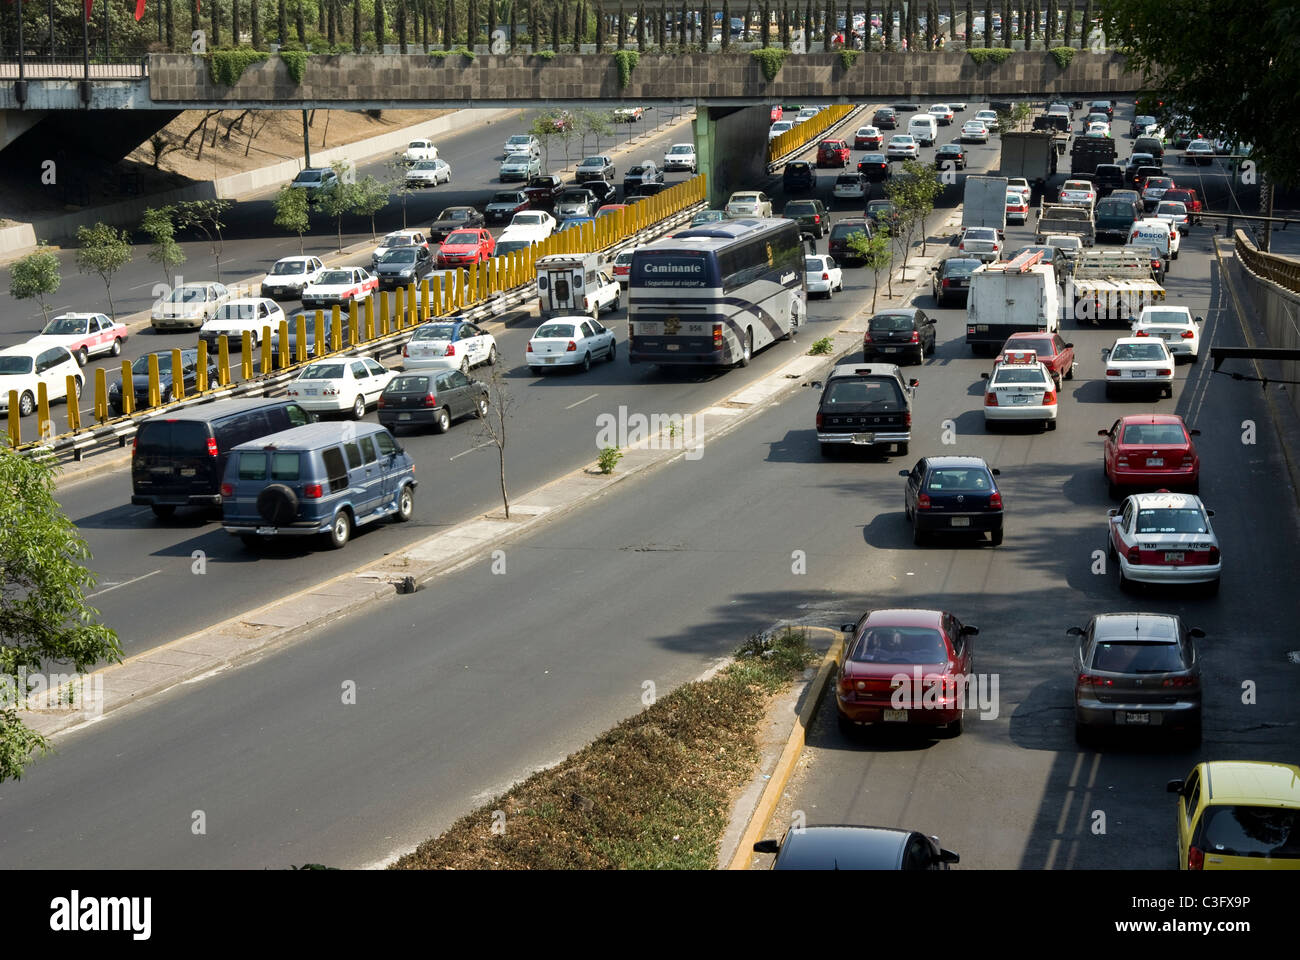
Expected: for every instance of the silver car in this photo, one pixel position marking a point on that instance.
(1137, 670)
(569, 341)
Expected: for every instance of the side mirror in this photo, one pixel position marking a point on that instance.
(969, 631)
(947, 856)
(984, 376)
(848, 628)
(1174, 786)
(1074, 632)
(1103, 433)
(1194, 433)
(1197, 633)
(1200, 319)
(1209, 513)
(1113, 512)
(914, 383)
(904, 473)
(996, 472)
(767, 846)
(1070, 346)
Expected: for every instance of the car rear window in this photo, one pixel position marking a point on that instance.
(285, 466)
(1171, 520)
(1115, 208)
(891, 322)
(1144, 434)
(847, 179)
(322, 371)
(880, 392)
(162, 438)
(900, 645)
(799, 208)
(1043, 348)
(252, 466)
(1024, 374)
(1138, 351)
(408, 385)
(1243, 831)
(959, 480)
(841, 230)
(1138, 658)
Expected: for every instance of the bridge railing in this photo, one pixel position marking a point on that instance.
(1284, 271)
(806, 132)
(383, 321)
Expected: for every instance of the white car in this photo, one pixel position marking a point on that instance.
(780, 127)
(1199, 152)
(1156, 233)
(428, 173)
(344, 385)
(1017, 207)
(1164, 537)
(24, 367)
(1098, 128)
(1080, 193)
(1180, 331)
(519, 166)
(749, 203)
(535, 225)
(186, 307)
(1174, 212)
(981, 243)
(289, 276)
(902, 147)
(975, 131)
(418, 150)
(1070, 244)
(236, 316)
(569, 341)
(1022, 185)
(84, 335)
(807, 113)
(942, 113)
(850, 186)
(822, 275)
(1139, 362)
(989, 117)
(339, 285)
(524, 143)
(680, 156)
(449, 344)
(396, 239)
(1020, 388)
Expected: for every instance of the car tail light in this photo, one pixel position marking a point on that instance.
(212, 447)
(1214, 554)
(961, 246)
(1164, 373)
(1134, 555)
(990, 399)
(1188, 334)
(1187, 459)
(571, 348)
(907, 418)
(530, 347)
(381, 402)
(923, 501)
(135, 445)
(866, 337)
(406, 351)
(1121, 460)
(1141, 333)
(826, 276)
(430, 400)
(312, 491)
(1049, 397)
(1112, 373)
(1195, 858)
(1180, 682)
(819, 420)
(916, 337)
(1092, 680)
(227, 489)
(995, 501)
(717, 336)
(946, 282)
(450, 351)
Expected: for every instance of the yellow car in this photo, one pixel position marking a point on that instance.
(1239, 815)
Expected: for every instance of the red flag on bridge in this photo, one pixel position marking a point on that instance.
(139, 9)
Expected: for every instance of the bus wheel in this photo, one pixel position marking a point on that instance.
(749, 348)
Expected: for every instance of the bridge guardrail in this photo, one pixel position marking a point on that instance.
(1284, 271)
(850, 111)
(797, 138)
(480, 295)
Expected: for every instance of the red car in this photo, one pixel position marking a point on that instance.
(463, 247)
(905, 668)
(1053, 352)
(610, 209)
(777, 111)
(832, 153)
(868, 138)
(1151, 450)
(1187, 196)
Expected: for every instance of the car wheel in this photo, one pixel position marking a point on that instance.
(82, 356)
(902, 449)
(586, 362)
(1110, 393)
(1051, 424)
(492, 357)
(163, 511)
(26, 404)
(830, 291)
(441, 421)
(613, 351)
(618, 301)
(536, 370)
(117, 348)
(827, 449)
(847, 726)
(358, 407)
(1112, 489)
(251, 541)
(918, 536)
(748, 353)
(955, 727)
(920, 353)
(1192, 735)
(481, 408)
(405, 504)
(1083, 736)
(1212, 588)
(340, 531)
(1169, 391)
(1125, 584)
(1196, 357)
(1069, 374)
(464, 366)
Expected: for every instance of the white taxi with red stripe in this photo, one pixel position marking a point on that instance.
(339, 285)
(1020, 388)
(1164, 537)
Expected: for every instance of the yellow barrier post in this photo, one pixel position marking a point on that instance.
(412, 304)
(44, 426)
(426, 299)
(336, 328)
(245, 355)
(399, 313)
(128, 387)
(266, 349)
(153, 375)
(101, 394)
(383, 313)
(178, 376)
(284, 343)
(15, 425)
(472, 294)
(201, 373)
(435, 296)
(370, 318)
(354, 323)
(321, 346)
(480, 288)
(461, 277)
(300, 344)
(74, 408)
(223, 368)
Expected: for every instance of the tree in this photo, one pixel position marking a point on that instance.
(492, 426)
(887, 26)
(293, 212)
(1069, 23)
(35, 275)
(593, 123)
(876, 256)
(555, 28)
(160, 228)
(543, 129)
(372, 196)
(205, 217)
(622, 28)
(44, 618)
(749, 16)
(255, 15)
(920, 187)
(1086, 27)
(764, 21)
(339, 198)
(103, 251)
(828, 24)
(725, 39)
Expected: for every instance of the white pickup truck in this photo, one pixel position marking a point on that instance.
(418, 150)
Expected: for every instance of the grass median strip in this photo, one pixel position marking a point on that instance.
(652, 793)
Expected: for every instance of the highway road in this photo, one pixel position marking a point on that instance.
(478, 679)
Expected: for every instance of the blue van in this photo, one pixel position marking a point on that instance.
(324, 478)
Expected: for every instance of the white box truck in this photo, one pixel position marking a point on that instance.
(984, 204)
(1006, 298)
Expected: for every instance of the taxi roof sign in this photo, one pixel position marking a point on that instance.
(1020, 356)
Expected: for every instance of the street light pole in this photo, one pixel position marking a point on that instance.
(20, 89)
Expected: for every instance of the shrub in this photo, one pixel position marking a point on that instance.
(226, 66)
(609, 458)
(296, 63)
(545, 54)
(820, 347)
(982, 55)
(627, 61)
(848, 58)
(1062, 56)
(771, 59)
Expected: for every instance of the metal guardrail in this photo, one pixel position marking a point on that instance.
(74, 68)
(796, 139)
(122, 429)
(1284, 271)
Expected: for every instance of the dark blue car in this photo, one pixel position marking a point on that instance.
(953, 495)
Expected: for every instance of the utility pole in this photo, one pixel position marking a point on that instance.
(306, 141)
(1266, 207)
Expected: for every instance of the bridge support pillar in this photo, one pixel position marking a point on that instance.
(731, 149)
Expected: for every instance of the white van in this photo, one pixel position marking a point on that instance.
(1160, 234)
(924, 128)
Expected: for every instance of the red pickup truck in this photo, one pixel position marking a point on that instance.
(543, 190)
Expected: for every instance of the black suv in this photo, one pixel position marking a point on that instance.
(951, 280)
(865, 405)
(894, 334)
(838, 247)
(885, 119)
(1108, 177)
(811, 214)
(799, 175)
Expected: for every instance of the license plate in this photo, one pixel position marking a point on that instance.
(672, 346)
(188, 471)
(1139, 718)
(403, 416)
(864, 438)
(960, 521)
(1137, 374)
(894, 716)
(310, 391)
(550, 359)
(1020, 399)
(981, 328)
(1174, 557)
(1155, 461)
(890, 349)
(266, 531)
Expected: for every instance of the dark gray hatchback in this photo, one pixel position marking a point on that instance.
(435, 398)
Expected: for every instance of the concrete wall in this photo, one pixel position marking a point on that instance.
(737, 135)
(1278, 310)
(714, 78)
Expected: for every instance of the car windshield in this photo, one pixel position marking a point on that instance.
(289, 267)
(66, 325)
(426, 165)
(1146, 434)
(881, 392)
(1174, 207)
(15, 366)
(188, 295)
(960, 480)
(1138, 351)
(556, 330)
(901, 645)
(1252, 831)
(309, 176)
(1171, 520)
(322, 371)
(595, 162)
(417, 145)
(397, 240)
(681, 148)
(510, 246)
(399, 256)
(460, 236)
(575, 196)
(141, 364)
(435, 331)
(891, 321)
(880, 206)
(454, 213)
(334, 276)
(505, 198)
(1138, 658)
(520, 139)
(842, 230)
(635, 171)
